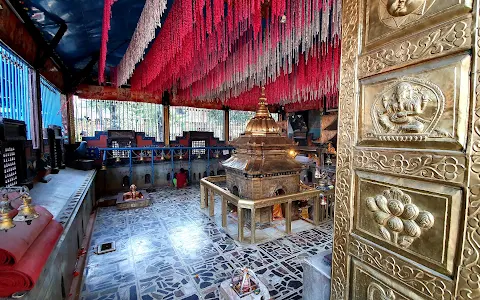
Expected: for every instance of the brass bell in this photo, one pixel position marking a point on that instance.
(27, 211)
(6, 222)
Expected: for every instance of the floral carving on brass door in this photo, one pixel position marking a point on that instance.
(399, 220)
(408, 110)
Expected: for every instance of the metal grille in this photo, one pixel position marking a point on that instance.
(15, 98)
(51, 104)
(101, 115)
(196, 119)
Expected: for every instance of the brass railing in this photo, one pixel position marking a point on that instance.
(208, 189)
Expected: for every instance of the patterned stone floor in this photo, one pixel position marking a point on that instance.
(173, 250)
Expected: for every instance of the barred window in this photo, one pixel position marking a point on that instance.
(101, 115)
(238, 122)
(15, 86)
(198, 144)
(51, 104)
(196, 119)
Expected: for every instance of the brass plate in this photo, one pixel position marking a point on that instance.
(372, 285)
(417, 219)
(425, 106)
(387, 20)
(446, 38)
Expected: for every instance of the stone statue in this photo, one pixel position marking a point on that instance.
(403, 110)
(133, 194)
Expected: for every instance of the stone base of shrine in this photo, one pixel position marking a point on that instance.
(131, 204)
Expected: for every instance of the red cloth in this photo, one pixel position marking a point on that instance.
(181, 180)
(15, 242)
(24, 274)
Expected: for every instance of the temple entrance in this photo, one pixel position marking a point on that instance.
(402, 230)
(278, 209)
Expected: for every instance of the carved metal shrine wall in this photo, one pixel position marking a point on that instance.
(407, 209)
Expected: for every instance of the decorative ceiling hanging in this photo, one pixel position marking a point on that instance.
(107, 13)
(144, 33)
(217, 51)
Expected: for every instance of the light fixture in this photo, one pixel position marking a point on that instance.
(283, 19)
(292, 153)
(162, 155)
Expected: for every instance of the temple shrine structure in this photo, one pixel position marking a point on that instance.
(233, 150)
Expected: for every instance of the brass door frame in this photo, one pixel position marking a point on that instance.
(464, 283)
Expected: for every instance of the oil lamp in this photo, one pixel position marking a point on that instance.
(217, 154)
(141, 156)
(26, 212)
(117, 159)
(162, 155)
(6, 222)
(104, 167)
(181, 155)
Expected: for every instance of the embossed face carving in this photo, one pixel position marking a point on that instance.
(400, 8)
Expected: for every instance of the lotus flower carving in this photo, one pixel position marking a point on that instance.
(400, 221)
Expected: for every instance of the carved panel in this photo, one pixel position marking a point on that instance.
(348, 101)
(444, 167)
(442, 40)
(413, 218)
(428, 103)
(425, 282)
(392, 19)
(469, 269)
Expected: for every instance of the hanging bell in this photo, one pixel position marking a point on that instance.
(323, 200)
(141, 156)
(104, 167)
(162, 155)
(117, 159)
(217, 154)
(26, 212)
(6, 222)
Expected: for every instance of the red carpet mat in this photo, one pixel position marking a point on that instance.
(21, 237)
(23, 275)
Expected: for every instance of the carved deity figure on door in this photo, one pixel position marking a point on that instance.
(408, 109)
(403, 110)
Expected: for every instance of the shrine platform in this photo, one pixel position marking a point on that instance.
(70, 197)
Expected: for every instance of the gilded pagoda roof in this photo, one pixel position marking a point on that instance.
(262, 150)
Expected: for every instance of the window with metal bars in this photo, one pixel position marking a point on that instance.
(101, 115)
(238, 122)
(15, 95)
(196, 119)
(51, 104)
(198, 144)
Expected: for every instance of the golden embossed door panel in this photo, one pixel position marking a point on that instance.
(416, 219)
(427, 103)
(387, 19)
(407, 207)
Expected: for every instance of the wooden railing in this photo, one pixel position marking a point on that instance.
(208, 189)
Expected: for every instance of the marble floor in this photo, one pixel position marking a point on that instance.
(173, 250)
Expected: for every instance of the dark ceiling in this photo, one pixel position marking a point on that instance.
(84, 21)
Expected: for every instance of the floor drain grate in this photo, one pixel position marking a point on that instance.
(105, 248)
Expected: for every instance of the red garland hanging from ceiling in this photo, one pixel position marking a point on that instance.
(217, 51)
(107, 13)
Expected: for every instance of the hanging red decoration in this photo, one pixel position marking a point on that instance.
(219, 51)
(107, 13)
